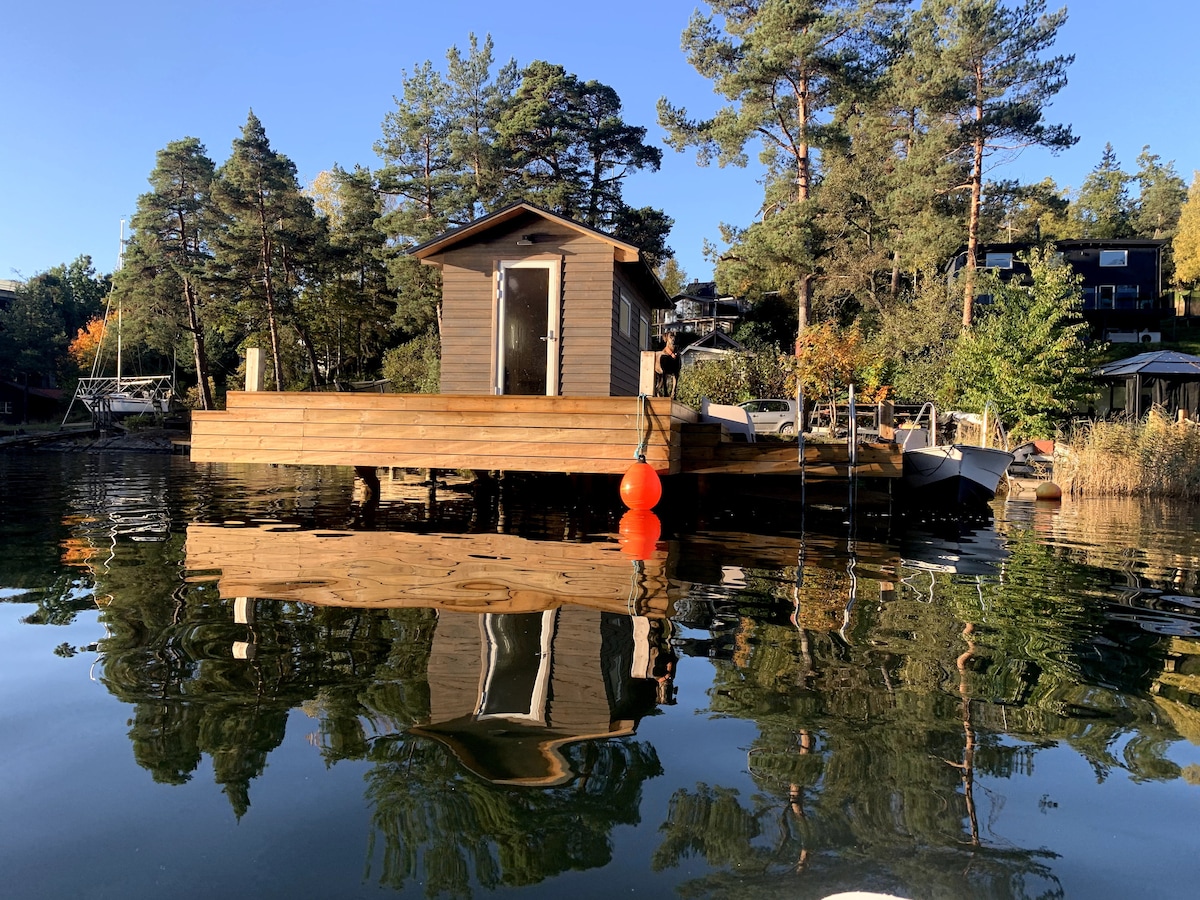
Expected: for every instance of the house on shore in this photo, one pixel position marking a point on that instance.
(1123, 297)
(534, 303)
(701, 309)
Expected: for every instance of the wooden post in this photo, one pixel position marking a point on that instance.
(254, 369)
(646, 373)
(885, 418)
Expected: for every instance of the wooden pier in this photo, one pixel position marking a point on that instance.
(594, 435)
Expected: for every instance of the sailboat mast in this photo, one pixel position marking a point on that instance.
(120, 262)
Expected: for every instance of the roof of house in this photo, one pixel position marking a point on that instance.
(623, 252)
(1157, 362)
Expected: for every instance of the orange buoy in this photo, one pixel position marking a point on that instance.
(1048, 490)
(638, 533)
(640, 488)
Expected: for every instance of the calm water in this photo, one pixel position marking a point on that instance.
(228, 681)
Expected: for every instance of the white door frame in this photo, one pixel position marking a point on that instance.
(553, 337)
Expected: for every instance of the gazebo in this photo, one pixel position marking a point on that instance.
(1163, 377)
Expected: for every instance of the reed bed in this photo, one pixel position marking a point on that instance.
(1156, 457)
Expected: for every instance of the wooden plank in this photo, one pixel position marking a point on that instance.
(508, 403)
(353, 449)
(623, 436)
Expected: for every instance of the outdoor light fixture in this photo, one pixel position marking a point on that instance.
(525, 241)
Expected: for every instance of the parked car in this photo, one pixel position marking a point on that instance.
(772, 416)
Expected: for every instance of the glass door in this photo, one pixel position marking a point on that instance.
(527, 328)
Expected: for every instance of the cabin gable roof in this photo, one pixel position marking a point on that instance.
(622, 251)
(626, 256)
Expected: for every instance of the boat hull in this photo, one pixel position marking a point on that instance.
(954, 474)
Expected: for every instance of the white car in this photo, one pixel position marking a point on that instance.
(772, 416)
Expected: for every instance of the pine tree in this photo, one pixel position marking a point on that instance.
(1103, 209)
(565, 146)
(167, 258)
(984, 67)
(782, 67)
(1160, 197)
(349, 310)
(268, 237)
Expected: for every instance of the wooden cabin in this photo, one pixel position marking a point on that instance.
(537, 304)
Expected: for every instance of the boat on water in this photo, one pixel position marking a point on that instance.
(952, 473)
(106, 396)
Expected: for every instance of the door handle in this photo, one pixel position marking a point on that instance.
(547, 337)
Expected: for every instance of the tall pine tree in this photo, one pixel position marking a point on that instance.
(164, 278)
(984, 66)
(268, 238)
(782, 67)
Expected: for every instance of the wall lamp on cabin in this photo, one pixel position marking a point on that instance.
(526, 240)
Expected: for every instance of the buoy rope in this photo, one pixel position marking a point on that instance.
(643, 437)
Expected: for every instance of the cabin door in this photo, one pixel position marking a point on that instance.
(527, 324)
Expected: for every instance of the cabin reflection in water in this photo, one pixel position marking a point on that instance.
(508, 691)
(538, 644)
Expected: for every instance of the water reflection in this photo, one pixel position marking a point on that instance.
(886, 708)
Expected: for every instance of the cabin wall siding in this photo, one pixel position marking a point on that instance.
(625, 378)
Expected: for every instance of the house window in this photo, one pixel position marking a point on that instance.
(6, 408)
(1105, 295)
(1111, 258)
(643, 333)
(1126, 296)
(626, 320)
(998, 260)
(1089, 298)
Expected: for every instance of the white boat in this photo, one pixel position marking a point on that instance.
(150, 395)
(953, 474)
(108, 396)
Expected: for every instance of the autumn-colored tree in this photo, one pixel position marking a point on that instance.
(1187, 237)
(86, 342)
(829, 360)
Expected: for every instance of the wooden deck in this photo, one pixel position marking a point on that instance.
(595, 435)
(442, 431)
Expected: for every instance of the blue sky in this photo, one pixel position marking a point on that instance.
(92, 90)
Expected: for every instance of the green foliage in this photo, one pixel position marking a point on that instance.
(347, 312)
(733, 378)
(1161, 196)
(564, 145)
(414, 367)
(47, 313)
(782, 67)
(1026, 354)
(917, 336)
(982, 64)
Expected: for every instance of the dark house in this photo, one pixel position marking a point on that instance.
(20, 403)
(535, 303)
(1122, 280)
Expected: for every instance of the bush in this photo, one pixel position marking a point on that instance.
(415, 367)
(733, 378)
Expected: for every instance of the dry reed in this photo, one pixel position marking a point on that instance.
(1156, 457)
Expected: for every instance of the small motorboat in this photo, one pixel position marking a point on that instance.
(951, 474)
